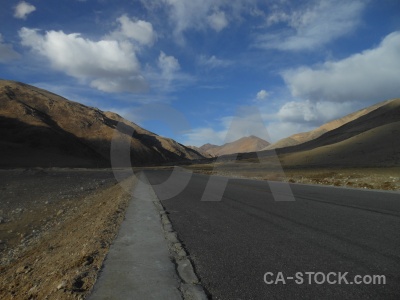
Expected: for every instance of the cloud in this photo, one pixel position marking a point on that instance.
(213, 62)
(369, 76)
(218, 21)
(23, 9)
(203, 135)
(283, 129)
(7, 52)
(262, 95)
(137, 30)
(169, 65)
(313, 113)
(200, 15)
(108, 65)
(311, 26)
(167, 76)
(298, 112)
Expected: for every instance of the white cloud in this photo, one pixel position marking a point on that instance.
(188, 14)
(168, 76)
(262, 95)
(213, 62)
(218, 21)
(108, 65)
(298, 112)
(169, 65)
(200, 15)
(137, 30)
(369, 76)
(7, 52)
(23, 9)
(203, 135)
(312, 26)
(313, 113)
(283, 129)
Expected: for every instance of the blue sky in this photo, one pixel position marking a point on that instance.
(184, 69)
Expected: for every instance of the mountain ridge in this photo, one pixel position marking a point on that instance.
(302, 137)
(45, 129)
(243, 145)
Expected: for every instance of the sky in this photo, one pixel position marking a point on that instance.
(187, 69)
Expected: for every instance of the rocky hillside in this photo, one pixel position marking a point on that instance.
(41, 129)
(372, 140)
(243, 145)
(303, 137)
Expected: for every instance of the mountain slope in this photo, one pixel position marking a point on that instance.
(201, 151)
(369, 140)
(39, 128)
(376, 147)
(243, 145)
(303, 137)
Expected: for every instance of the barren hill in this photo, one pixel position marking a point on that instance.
(201, 151)
(303, 137)
(39, 128)
(207, 147)
(243, 145)
(372, 139)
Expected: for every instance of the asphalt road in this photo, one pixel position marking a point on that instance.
(235, 242)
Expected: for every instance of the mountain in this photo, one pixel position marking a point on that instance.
(371, 139)
(243, 145)
(303, 137)
(207, 147)
(41, 129)
(201, 151)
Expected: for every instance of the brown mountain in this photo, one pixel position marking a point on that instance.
(243, 145)
(303, 137)
(207, 147)
(372, 139)
(39, 128)
(201, 151)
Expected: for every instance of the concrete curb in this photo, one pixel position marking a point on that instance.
(190, 285)
(138, 265)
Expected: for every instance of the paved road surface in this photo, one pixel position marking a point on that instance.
(234, 242)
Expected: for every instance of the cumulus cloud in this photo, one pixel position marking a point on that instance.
(283, 129)
(108, 65)
(140, 31)
(23, 9)
(218, 21)
(311, 26)
(298, 112)
(262, 95)
(168, 76)
(169, 65)
(369, 76)
(313, 113)
(212, 62)
(7, 52)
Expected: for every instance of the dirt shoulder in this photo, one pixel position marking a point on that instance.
(54, 248)
(366, 178)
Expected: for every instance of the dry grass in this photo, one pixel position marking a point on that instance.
(63, 262)
(367, 178)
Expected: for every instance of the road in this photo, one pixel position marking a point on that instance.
(235, 242)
